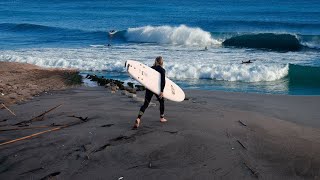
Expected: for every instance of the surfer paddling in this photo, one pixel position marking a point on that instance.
(158, 66)
(246, 62)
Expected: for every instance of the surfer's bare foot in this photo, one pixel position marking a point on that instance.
(136, 124)
(163, 120)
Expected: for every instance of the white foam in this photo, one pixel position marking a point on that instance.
(82, 59)
(88, 82)
(228, 72)
(180, 35)
(180, 62)
(311, 42)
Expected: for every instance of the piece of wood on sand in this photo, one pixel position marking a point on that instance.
(242, 123)
(79, 117)
(252, 170)
(42, 132)
(51, 176)
(241, 144)
(24, 128)
(4, 120)
(8, 109)
(30, 136)
(39, 117)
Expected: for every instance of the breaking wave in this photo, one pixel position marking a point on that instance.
(180, 35)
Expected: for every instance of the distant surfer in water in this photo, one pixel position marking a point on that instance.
(246, 62)
(158, 66)
(111, 33)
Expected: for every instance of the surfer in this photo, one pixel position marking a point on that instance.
(158, 63)
(246, 62)
(112, 32)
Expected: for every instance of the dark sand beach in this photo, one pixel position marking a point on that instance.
(212, 135)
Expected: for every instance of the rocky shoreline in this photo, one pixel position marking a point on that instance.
(115, 85)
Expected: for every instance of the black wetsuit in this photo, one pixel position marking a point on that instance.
(149, 93)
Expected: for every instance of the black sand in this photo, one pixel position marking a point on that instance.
(213, 135)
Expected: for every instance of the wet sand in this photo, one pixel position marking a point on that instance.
(213, 135)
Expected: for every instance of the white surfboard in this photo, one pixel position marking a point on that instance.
(151, 79)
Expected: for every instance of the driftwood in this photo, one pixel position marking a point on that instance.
(242, 123)
(102, 148)
(79, 117)
(107, 125)
(4, 120)
(171, 132)
(255, 173)
(42, 132)
(39, 117)
(23, 128)
(30, 136)
(149, 165)
(50, 176)
(8, 109)
(241, 144)
(32, 170)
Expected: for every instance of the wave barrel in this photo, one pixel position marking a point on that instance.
(277, 42)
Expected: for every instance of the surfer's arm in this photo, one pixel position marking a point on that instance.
(163, 79)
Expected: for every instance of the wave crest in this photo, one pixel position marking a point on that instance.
(180, 35)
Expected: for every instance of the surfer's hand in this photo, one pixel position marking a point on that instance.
(161, 95)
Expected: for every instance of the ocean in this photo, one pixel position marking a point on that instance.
(202, 42)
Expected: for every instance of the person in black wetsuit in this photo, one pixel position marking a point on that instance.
(158, 63)
(246, 62)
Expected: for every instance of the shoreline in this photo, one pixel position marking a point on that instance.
(213, 134)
